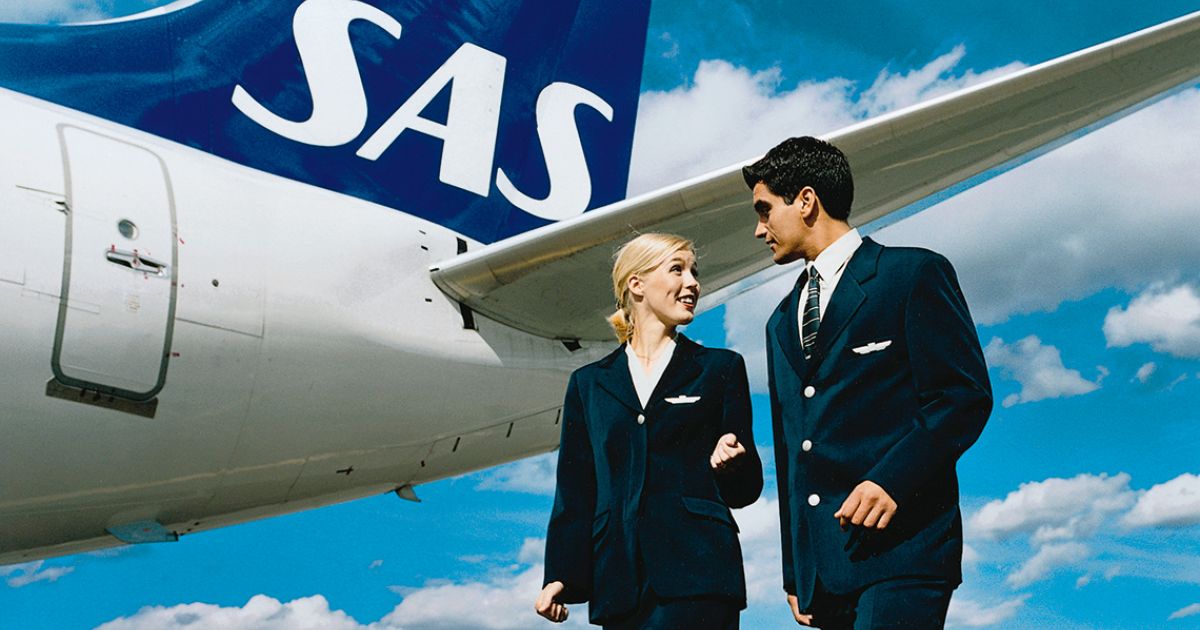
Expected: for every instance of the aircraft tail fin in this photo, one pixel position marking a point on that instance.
(489, 117)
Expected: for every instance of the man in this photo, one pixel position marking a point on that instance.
(878, 385)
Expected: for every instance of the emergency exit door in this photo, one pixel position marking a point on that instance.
(118, 298)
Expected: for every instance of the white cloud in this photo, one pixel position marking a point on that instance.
(1108, 574)
(1175, 503)
(970, 556)
(1038, 368)
(1145, 372)
(892, 91)
(672, 46)
(260, 613)
(727, 114)
(759, 537)
(29, 572)
(968, 613)
(502, 601)
(534, 475)
(1054, 509)
(1167, 319)
(375, 564)
(1046, 560)
(533, 551)
(1186, 611)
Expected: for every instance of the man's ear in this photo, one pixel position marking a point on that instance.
(808, 202)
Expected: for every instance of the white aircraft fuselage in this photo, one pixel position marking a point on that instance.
(305, 355)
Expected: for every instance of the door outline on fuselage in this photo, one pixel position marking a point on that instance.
(68, 256)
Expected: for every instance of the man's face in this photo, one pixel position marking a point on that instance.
(781, 224)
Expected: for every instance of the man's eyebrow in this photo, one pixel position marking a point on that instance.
(762, 206)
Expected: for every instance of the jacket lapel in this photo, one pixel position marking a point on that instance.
(681, 370)
(845, 301)
(787, 330)
(617, 381)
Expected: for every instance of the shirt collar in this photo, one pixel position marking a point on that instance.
(830, 261)
(663, 357)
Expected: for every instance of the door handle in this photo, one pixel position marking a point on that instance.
(135, 261)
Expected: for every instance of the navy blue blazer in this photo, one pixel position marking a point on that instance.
(637, 500)
(895, 391)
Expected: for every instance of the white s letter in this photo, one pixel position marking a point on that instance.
(339, 103)
(570, 181)
(469, 135)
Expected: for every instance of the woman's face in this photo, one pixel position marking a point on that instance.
(669, 292)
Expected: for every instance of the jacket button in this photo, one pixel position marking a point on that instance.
(806, 445)
(810, 391)
(641, 419)
(814, 500)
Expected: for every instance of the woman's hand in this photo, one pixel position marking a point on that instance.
(547, 604)
(727, 451)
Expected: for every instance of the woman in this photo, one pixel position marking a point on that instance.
(656, 447)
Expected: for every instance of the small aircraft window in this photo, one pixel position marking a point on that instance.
(127, 229)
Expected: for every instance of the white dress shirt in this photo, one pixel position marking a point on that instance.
(830, 264)
(645, 382)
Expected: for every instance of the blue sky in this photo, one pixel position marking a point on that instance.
(1082, 268)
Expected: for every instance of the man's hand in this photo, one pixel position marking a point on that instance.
(547, 604)
(869, 505)
(728, 449)
(801, 618)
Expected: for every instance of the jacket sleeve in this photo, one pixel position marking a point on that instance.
(781, 476)
(953, 390)
(569, 535)
(741, 484)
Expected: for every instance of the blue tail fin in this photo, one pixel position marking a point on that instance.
(490, 117)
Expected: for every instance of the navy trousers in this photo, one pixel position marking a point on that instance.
(908, 603)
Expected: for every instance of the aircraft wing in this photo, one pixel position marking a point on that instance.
(554, 281)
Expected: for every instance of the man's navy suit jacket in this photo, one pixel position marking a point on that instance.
(894, 392)
(639, 501)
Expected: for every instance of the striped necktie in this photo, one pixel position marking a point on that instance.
(812, 312)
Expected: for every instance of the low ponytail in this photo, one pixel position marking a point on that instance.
(622, 323)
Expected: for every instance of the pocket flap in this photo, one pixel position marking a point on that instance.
(709, 509)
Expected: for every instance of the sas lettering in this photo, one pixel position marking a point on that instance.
(476, 79)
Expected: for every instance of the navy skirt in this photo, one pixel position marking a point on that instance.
(693, 613)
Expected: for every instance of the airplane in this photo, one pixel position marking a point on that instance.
(264, 257)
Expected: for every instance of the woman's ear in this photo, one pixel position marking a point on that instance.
(634, 284)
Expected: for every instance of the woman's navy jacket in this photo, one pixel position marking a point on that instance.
(637, 500)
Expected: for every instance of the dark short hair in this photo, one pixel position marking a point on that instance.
(806, 161)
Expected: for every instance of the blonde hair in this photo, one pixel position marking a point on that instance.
(640, 255)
